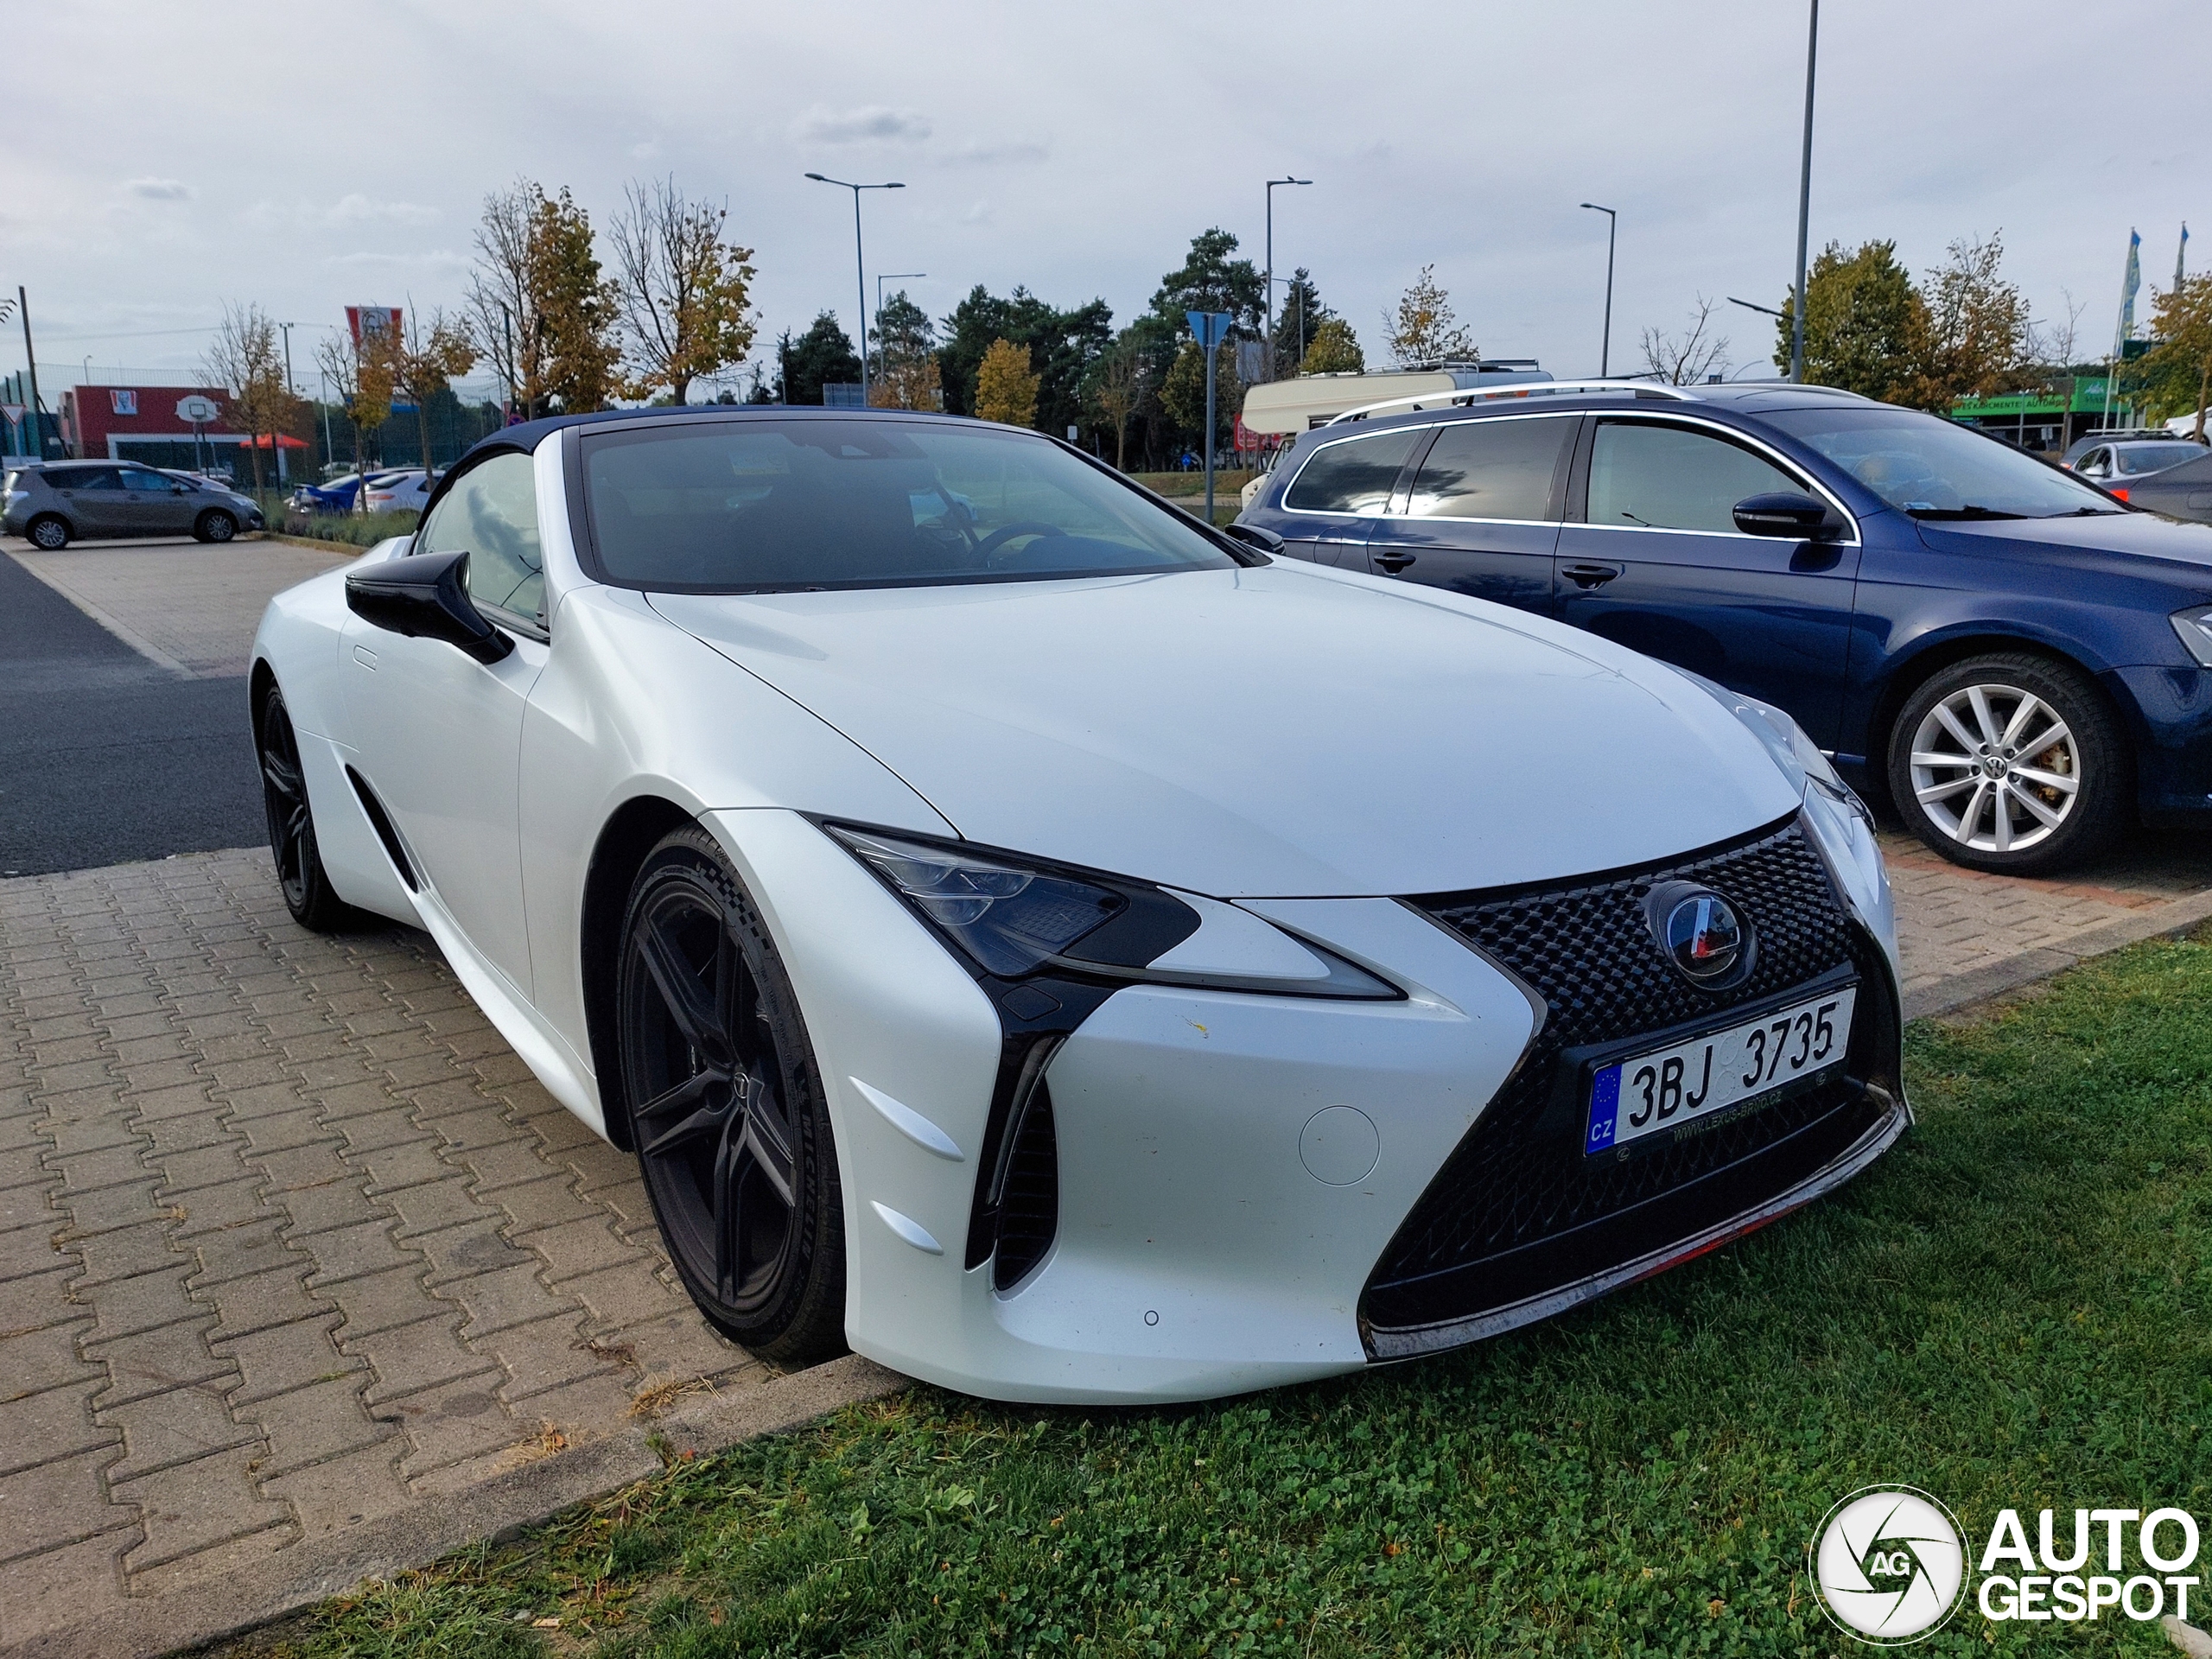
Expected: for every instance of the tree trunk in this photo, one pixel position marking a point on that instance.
(1122, 444)
(680, 387)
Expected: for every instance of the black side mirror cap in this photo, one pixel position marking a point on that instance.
(420, 595)
(1781, 512)
(1253, 536)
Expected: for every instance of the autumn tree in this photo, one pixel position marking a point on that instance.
(1116, 390)
(2176, 374)
(245, 357)
(1006, 386)
(1867, 326)
(904, 368)
(1977, 343)
(1334, 350)
(425, 362)
(684, 290)
(1425, 330)
(1686, 359)
(1062, 345)
(361, 374)
(539, 309)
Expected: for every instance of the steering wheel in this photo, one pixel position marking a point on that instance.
(991, 544)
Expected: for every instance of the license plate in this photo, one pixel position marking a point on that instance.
(1667, 1089)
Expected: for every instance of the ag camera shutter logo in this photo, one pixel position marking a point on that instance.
(1888, 1565)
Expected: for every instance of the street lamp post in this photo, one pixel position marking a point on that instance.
(288, 328)
(1804, 200)
(1267, 301)
(1605, 342)
(860, 265)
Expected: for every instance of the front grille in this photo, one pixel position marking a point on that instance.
(1516, 1209)
(1029, 1203)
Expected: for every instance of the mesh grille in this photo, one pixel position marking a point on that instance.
(1029, 1209)
(1516, 1209)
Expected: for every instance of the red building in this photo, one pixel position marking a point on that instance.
(153, 424)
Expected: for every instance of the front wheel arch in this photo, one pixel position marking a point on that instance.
(624, 841)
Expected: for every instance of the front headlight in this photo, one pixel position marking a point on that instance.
(1794, 753)
(1014, 919)
(2194, 628)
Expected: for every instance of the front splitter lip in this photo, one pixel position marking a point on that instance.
(1410, 1342)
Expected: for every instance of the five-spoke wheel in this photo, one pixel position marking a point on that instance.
(726, 1106)
(2007, 763)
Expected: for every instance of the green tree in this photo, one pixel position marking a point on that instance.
(1334, 350)
(1117, 387)
(1300, 314)
(903, 356)
(1062, 345)
(425, 363)
(823, 355)
(2176, 374)
(1424, 329)
(1184, 393)
(1006, 386)
(1867, 326)
(1210, 280)
(685, 289)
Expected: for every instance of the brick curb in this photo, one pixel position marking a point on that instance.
(316, 1569)
(2011, 973)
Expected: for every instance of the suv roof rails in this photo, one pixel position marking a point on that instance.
(1523, 389)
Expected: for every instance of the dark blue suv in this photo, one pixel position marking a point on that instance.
(2018, 660)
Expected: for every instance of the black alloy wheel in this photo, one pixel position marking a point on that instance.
(306, 885)
(48, 534)
(214, 525)
(2011, 763)
(726, 1103)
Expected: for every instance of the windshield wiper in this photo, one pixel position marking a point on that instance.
(2088, 512)
(1967, 511)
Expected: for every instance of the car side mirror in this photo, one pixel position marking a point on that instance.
(1781, 513)
(1253, 536)
(420, 595)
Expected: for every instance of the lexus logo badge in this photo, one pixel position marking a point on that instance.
(1704, 938)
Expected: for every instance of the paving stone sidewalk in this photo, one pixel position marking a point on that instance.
(288, 1239)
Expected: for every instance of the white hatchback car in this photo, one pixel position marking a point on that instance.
(1056, 948)
(403, 492)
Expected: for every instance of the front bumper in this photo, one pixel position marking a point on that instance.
(1229, 1169)
(2173, 740)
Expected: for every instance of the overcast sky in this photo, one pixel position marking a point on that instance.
(163, 158)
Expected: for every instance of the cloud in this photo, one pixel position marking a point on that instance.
(160, 189)
(872, 124)
(357, 209)
(978, 214)
(443, 259)
(1005, 152)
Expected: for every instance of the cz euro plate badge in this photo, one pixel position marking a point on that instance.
(1698, 1082)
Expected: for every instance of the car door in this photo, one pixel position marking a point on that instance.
(1339, 491)
(1649, 556)
(1481, 516)
(95, 499)
(156, 503)
(439, 734)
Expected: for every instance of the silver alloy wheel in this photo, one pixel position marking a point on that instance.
(49, 534)
(1995, 768)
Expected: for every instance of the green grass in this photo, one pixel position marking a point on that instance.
(353, 529)
(2011, 1309)
(1225, 483)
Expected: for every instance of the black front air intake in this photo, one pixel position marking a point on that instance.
(1029, 1209)
(1517, 1210)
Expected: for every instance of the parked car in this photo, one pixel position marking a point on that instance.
(405, 491)
(2011, 655)
(2182, 492)
(336, 496)
(1054, 946)
(2119, 466)
(56, 502)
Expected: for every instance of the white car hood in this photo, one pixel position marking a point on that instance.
(1280, 731)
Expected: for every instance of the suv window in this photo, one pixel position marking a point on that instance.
(491, 515)
(1656, 477)
(2136, 458)
(137, 478)
(1492, 469)
(1355, 475)
(2094, 464)
(85, 478)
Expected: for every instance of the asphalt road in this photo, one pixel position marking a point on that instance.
(105, 756)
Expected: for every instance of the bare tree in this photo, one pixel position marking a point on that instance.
(243, 357)
(502, 315)
(2053, 343)
(684, 289)
(1685, 360)
(424, 362)
(362, 376)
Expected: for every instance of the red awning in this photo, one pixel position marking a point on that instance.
(260, 440)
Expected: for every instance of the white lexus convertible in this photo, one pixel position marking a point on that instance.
(1051, 946)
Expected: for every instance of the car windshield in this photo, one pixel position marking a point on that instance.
(752, 505)
(1933, 469)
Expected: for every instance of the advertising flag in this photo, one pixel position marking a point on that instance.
(2181, 258)
(2128, 285)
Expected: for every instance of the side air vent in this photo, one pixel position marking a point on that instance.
(382, 824)
(1028, 1194)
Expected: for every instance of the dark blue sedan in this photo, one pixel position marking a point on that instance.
(2018, 660)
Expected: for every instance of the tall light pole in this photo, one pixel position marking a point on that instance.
(860, 266)
(288, 328)
(1267, 303)
(1605, 342)
(1804, 200)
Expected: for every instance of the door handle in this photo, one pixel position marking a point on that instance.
(1590, 576)
(1393, 563)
